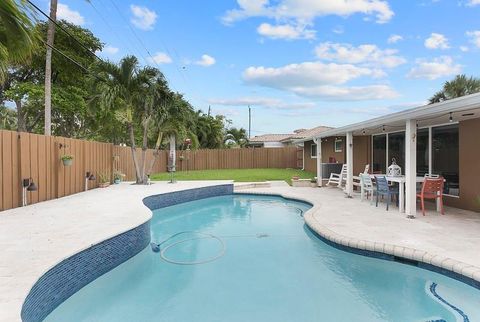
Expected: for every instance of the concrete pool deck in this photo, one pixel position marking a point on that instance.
(35, 238)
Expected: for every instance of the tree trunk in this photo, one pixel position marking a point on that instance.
(48, 68)
(20, 117)
(156, 152)
(144, 151)
(172, 154)
(134, 153)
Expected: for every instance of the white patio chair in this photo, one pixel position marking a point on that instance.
(366, 186)
(357, 179)
(337, 179)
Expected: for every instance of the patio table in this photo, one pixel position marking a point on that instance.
(401, 187)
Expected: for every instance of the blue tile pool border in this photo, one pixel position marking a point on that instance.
(76, 271)
(176, 197)
(73, 273)
(401, 260)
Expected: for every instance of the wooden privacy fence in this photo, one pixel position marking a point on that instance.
(27, 155)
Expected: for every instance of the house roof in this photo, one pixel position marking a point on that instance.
(269, 138)
(299, 134)
(458, 109)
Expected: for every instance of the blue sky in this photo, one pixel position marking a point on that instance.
(298, 63)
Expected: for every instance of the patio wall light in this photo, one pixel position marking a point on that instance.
(27, 185)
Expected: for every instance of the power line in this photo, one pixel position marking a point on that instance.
(139, 41)
(64, 30)
(115, 33)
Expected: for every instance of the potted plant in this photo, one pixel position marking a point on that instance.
(103, 180)
(313, 182)
(67, 160)
(117, 177)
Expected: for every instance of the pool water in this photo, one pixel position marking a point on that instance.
(253, 259)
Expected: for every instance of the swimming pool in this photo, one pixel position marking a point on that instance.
(251, 258)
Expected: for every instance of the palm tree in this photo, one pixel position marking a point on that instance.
(461, 85)
(48, 67)
(17, 36)
(129, 92)
(173, 121)
(236, 135)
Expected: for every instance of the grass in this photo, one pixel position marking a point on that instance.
(238, 175)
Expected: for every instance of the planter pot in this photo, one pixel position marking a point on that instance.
(67, 162)
(104, 184)
(295, 178)
(313, 184)
(116, 181)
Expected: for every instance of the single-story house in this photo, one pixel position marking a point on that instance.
(441, 138)
(283, 140)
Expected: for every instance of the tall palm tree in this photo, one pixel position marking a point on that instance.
(17, 35)
(126, 89)
(48, 67)
(461, 85)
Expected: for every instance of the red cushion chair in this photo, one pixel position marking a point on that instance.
(432, 188)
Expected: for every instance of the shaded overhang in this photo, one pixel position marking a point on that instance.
(454, 110)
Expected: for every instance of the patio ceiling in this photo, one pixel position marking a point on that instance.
(463, 108)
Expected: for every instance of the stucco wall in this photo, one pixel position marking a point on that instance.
(362, 153)
(328, 150)
(469, 148)
(310, 163)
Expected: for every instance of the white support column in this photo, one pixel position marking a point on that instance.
(411, 168)
(349, 183)
(318, 142)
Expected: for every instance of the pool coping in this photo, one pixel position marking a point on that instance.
(449, 267)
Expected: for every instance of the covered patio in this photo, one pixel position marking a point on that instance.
(437, 139)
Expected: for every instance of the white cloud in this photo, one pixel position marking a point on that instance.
(319, 80)
(263, 102)
(394, 39)
(363, 54)
(206, 60)
(464, 48)
(286, 31)
(64, 12)
(474, 36)
(307, 10)
(143, 18)
(110, 50)
(472, 3)
(352, 93)
(438, 67)
(436, 41)
(160, 58)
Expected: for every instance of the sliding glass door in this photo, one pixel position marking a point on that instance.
(445, 156)
(439, 143)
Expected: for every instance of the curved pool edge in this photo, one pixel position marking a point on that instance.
(44, 295)
(449, 267)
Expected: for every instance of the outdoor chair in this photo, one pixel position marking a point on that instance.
(366, 186)
(383, 189)
(432, 188)
(357, 180)
(337, 179)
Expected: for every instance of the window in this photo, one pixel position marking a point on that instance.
(437, 153)
(313, 151)
(396, 149)
(423, 152)
(445, 156)
(379, 153)
(338, 145)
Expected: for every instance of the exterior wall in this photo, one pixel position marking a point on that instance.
(310, 163)
(469, 154)
(273, 145)
(362, 153)
(328, 150)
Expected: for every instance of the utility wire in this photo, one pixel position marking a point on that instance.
(64, 30)
(98, 12)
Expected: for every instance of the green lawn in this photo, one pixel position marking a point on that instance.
(238, 175)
